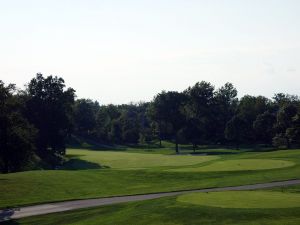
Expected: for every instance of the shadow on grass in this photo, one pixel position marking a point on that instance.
(5, 216)
(213, 153)
(79, 164)
(10, 222)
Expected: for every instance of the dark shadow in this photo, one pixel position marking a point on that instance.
(79, 164)
(73, 156)
(213, 153)
(5, 216)
(10, 222)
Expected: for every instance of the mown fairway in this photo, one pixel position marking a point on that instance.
(121, 160)
(91, 174)
(272, 207)
(239, 164)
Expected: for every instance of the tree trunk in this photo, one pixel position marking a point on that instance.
(176, 146)
(288, 143)
(3, 148)
(160, 145)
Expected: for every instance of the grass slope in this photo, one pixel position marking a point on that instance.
(34, 187)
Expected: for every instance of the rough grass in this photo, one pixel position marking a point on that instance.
(123, 160)
(238, 165)
(169, 211)
(243, 199)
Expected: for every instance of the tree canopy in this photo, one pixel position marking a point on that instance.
(37, 122)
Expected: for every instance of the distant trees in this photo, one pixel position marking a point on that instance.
(286, 125)
(36, 122)
(200, 115)
(168, 111)
(264, 127)
(85, 117)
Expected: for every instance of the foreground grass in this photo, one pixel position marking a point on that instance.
(170, 211)
(243, 199)
(47, 186)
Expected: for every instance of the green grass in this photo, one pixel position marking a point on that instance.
(34, 187)
(170, 211)
(124, 160)
(243, 199)
(238, 165)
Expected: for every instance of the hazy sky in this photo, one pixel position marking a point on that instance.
(117, 51)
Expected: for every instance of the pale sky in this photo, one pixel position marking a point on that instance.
(118, 51)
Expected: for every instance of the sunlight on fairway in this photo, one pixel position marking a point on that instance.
(123, 160)
(237, 165)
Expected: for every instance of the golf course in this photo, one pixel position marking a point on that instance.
(130, 171)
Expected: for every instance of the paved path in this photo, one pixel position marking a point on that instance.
(79, 204)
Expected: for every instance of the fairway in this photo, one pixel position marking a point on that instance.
(238, 165)
(123, 160)
(89, 180)
(264, 208)
(243, 199)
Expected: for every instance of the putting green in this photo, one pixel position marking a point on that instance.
(237, 165)
(243, 199)
(123, 160)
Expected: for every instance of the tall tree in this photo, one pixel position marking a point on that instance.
(49, 108)
(248, 109)
(199, 113)
(168, 109)
(16, 134)
(285, 120)
(225, 105)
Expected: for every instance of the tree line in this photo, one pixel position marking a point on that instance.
(37, 121)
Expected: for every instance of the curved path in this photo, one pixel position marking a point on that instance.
(79, 204)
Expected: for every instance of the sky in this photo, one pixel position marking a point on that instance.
(122, 51)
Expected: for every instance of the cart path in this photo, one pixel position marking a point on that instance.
(42, 209)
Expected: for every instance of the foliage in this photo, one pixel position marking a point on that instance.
(49, 109)
(49, 114)
(16, 134)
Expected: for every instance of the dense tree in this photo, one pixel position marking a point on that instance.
(249, 108)
(293, 132)
(264, 127)
(225, 105)
(49, 108)
(85, 112)
(16, 134)
(286, 120)
(198, 111)
(168, 109)
(235, 130)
